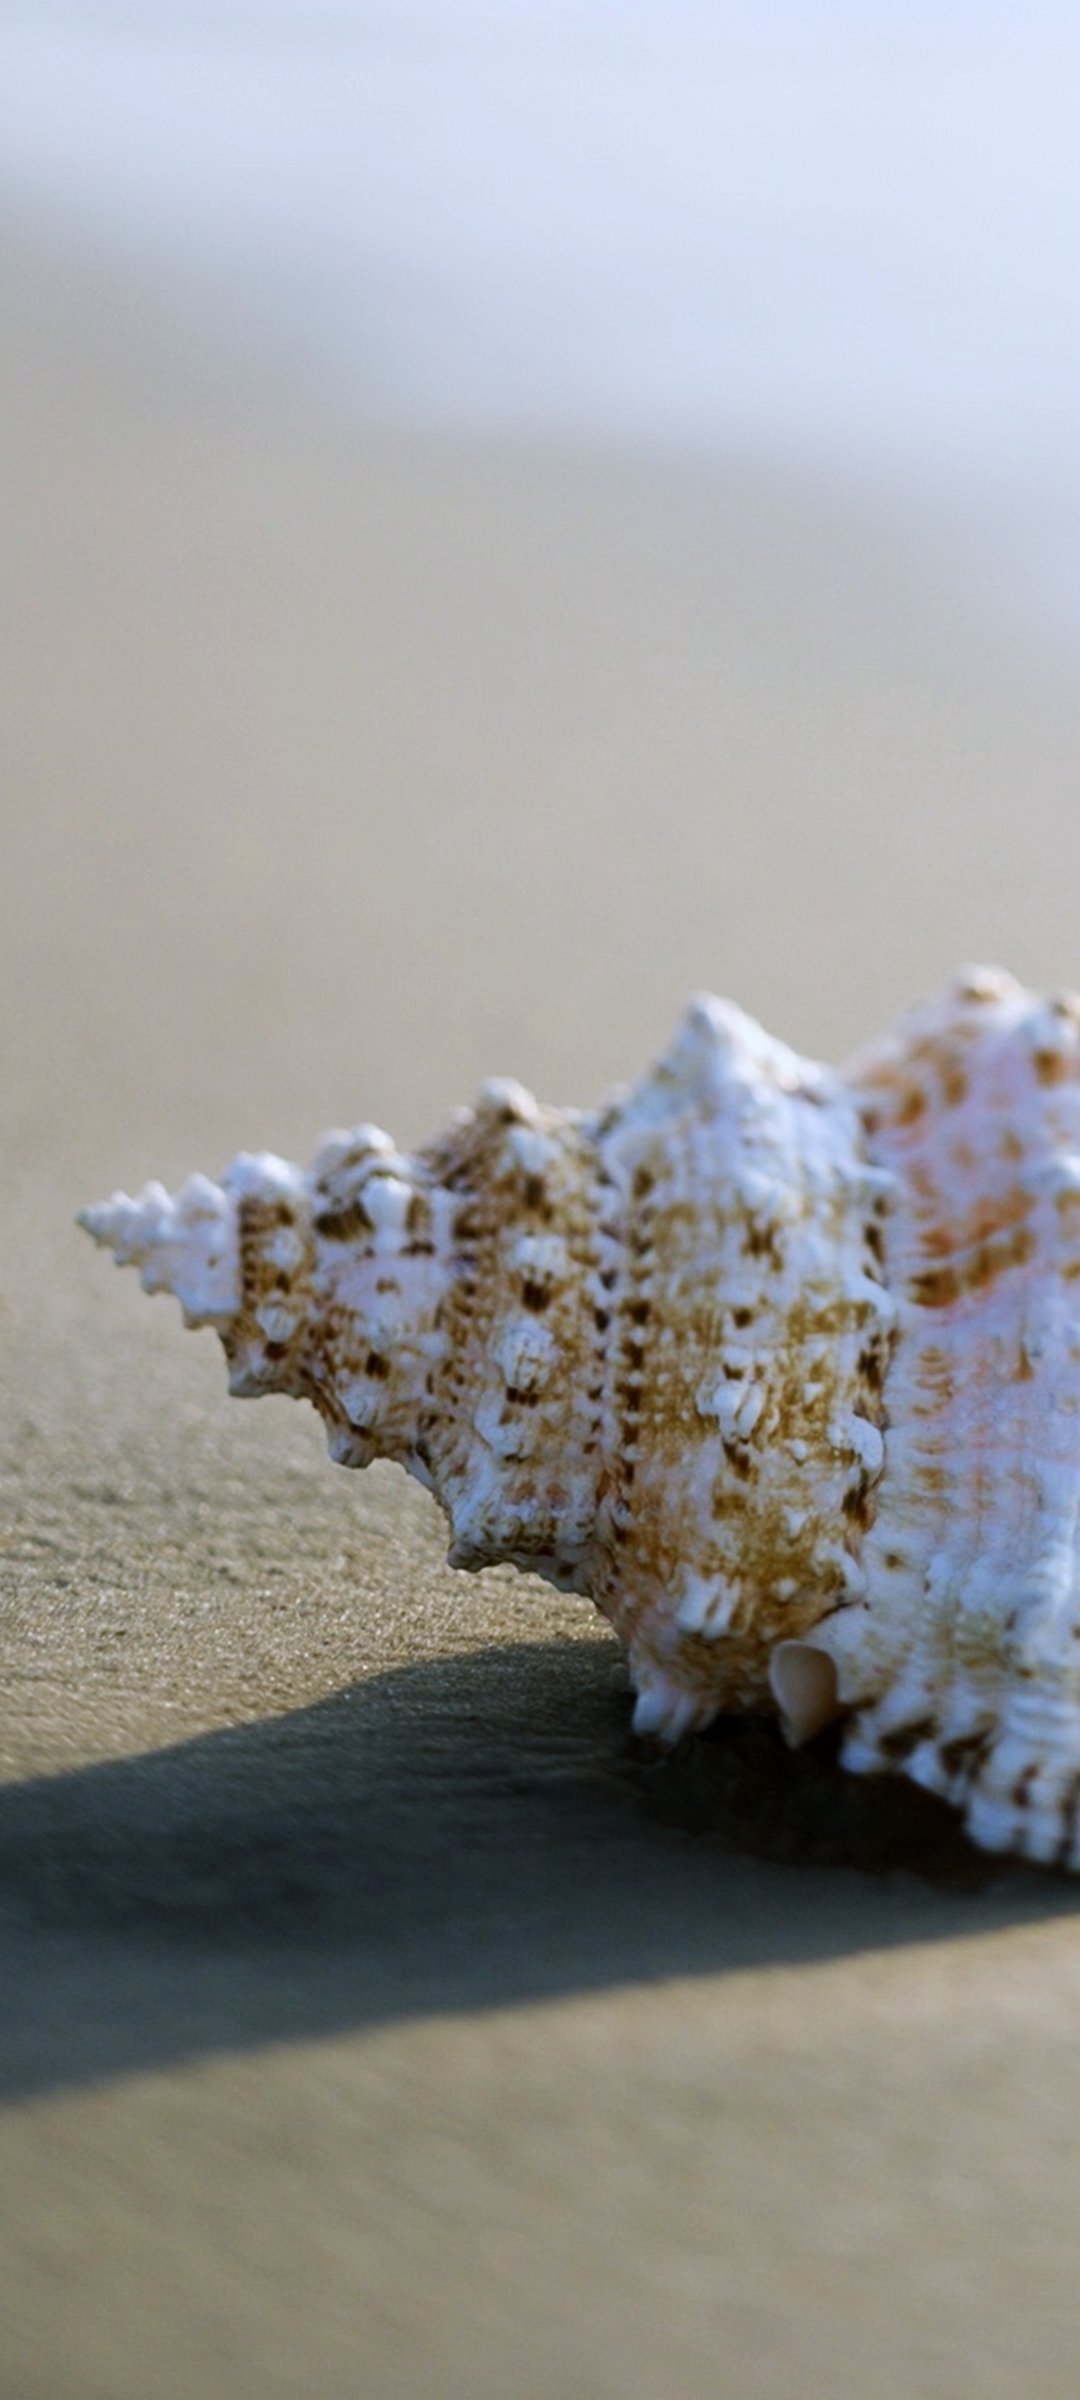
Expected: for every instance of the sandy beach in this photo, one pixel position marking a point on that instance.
(375, 2017)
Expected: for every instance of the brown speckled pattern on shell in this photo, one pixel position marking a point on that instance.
(742, 1412)
(781, 1367)
(968, 1650)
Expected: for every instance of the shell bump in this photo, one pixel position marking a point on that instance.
(780, 1366)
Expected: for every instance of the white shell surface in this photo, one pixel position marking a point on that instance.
(966, 1656)
(781, 1367)
(742, 1389)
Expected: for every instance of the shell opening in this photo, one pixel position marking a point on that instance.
(805, 1688)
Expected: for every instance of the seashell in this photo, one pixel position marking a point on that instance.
(780, 1366)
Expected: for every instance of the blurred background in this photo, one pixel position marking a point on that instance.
(510, 511)
(842, 235)
(587, 482)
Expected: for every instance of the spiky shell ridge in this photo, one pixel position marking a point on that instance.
(662, 1349)
(781, 1367)
(640, 1352)
(743, 1386)
(963, 1664)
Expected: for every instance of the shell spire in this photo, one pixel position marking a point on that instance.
(781, 1367)
(185, 1245)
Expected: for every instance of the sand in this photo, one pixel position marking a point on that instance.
(377, 2019)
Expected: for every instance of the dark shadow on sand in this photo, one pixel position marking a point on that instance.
(459, 1835)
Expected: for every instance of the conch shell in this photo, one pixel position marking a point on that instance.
(780, 1366)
